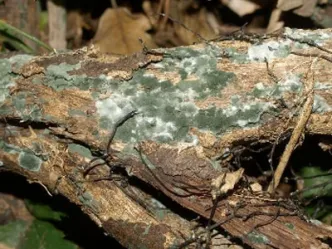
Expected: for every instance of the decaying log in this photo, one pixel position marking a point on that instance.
(198, 108)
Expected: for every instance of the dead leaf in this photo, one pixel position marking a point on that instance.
(274, 22)
(325, 146)
(119, 32)
(256, 187)
(286, 5)
(307, 9)
(225, 182)
(198, 23)
(241, 7)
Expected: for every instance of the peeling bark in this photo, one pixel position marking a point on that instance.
(199, 108)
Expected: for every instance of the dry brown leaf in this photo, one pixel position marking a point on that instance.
(274, 22)
(241, 7)
(119, 32)
(286, 5)
(256, 187)
(307, 9)
(198, 22)
(225, 182)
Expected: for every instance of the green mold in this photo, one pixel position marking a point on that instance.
(61, 70)
(160, 214)
(18, 61)
(76, 112)
(290, 226)
(235, 56)
(269, 50)
(19, 102)
(6, 80)
(320, 105)
(9, 148)
(58, 77)
(27, 112)
(29, 161)
(167, 111)
(147, 229)
(81, 150)
(146, 161)
(258, 238)
(311, 36)
(87, 200)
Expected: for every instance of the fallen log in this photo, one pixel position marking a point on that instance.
(144, 143)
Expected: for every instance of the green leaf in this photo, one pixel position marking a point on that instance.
(317, 186)
(11, 233)
(43, 212)
(44, 235)
(11, 32)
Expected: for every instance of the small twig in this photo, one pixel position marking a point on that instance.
(274, 217)
(296, 134)
(308, 42)
(270, 73)
(217, 224)
(114, 4)
(184, 26)
(108, 147)
(213, 211)
(313, 55)
(147, 163)
(39, 182)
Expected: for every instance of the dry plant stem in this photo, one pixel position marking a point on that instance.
(299, 128)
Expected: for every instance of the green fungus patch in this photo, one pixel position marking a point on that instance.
(29, 161)
(166, 113)
(87, 200)
(76, 112)
(308, 36)
(26, 111)
(9, 148)
(59, 77)
(235, 56)
(6, 79)
(269, 50)
(292, 83)
(166, 110)
(81, 150)
(290, 226)
(258, 238)
(18, 61)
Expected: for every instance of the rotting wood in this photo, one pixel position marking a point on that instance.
(198, 107)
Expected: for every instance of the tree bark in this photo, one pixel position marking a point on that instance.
(200, 108)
